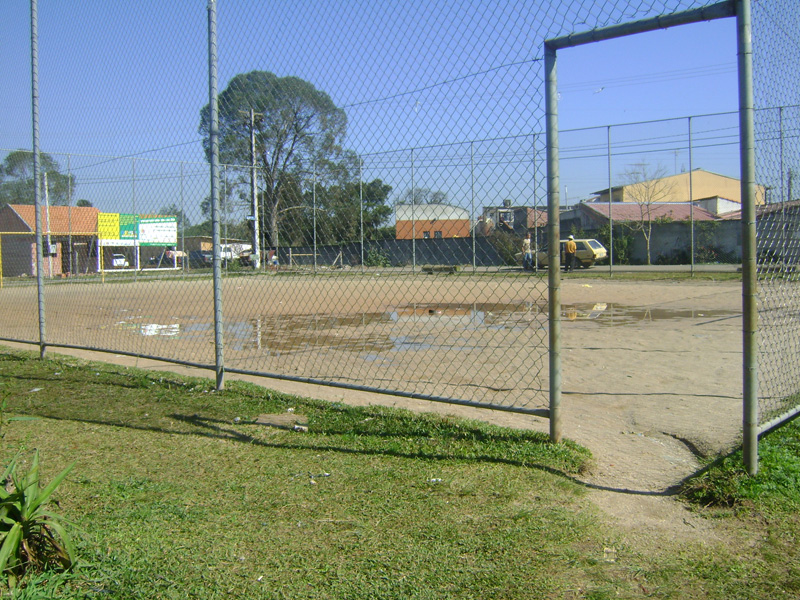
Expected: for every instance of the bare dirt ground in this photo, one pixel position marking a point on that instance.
(651, 370)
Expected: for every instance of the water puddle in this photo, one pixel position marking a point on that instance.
(413, 328)
(615, 315)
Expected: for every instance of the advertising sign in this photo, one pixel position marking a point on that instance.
(114, 229)
(158, 231)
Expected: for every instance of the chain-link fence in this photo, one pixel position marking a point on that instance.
(776, 72)
(379, 172)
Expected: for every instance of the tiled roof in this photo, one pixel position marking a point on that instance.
(777, 207)
(77, 220)
(630, 211)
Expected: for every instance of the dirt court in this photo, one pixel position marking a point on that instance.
(651, 370)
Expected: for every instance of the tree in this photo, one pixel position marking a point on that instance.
(339, 213)
(343, 212)
(16, 179)
(83, 203)
(646, 187)
(172, 209)
(298, 133)
(423, 196)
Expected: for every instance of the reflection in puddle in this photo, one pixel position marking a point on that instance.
(149, 329)
(413, 328)
(620, 315)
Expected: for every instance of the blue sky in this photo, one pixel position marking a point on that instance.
(129, 78)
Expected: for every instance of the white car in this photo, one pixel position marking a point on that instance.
(118, 261)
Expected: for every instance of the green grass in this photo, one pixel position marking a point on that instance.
(776, 486)
(177, 493)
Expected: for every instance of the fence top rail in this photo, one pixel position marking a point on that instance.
(721, 10)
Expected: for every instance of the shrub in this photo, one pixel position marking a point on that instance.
(376, 258)
(507, 246)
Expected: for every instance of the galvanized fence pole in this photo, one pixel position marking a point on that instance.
(749, 266)
(474, 223)
(535, 208)
(256, 254)
(553, 235)
(610, 207)
(314, 214)
(784, 198)
(361, 205)
(133, 212)
(214, 143)
(691, 202)
(69, 214)
(185, 264)
(37, 193)
(413, 219)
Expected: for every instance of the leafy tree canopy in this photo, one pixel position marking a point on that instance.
(422, 195)
(16, 179)
(340, 210)
(298, 132)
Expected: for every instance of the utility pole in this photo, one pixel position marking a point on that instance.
(256, 255)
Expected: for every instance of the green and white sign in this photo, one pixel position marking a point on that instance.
(158, 231)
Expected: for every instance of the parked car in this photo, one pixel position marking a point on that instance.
(200, 259)
(589, 252)
(168, 258)
(119, 261)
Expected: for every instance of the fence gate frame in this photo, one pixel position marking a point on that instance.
(728, 8)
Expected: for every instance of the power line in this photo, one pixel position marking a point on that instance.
(441, 83)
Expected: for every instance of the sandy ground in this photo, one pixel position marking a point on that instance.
(651, 371)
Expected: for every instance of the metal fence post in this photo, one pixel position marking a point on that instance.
(361, 205)
(691, 202)
(413, 219)
(553, 235)
(256, 254)
(314, 215)
(69, 214)
(474, 223)
(133, 212)
(610, 206)
(183, 229)
(214, 139)
(37, 193)
(749, 267)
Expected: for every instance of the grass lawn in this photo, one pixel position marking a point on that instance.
(178, 493)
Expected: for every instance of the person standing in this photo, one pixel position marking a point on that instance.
(570, 248)
(527, 254)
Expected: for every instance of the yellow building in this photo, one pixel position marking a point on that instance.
(675, 188)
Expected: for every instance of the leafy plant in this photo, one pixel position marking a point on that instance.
(623, 242)
(507, 246)
(375, 257)
(31, 537)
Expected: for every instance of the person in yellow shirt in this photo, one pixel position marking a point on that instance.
(570, 248)
(527, 253)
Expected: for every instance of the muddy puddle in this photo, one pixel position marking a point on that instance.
(412, 328)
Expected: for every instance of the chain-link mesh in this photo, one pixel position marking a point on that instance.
(378, 176)
(776, 73)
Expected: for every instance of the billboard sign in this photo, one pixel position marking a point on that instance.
(158, 231)
(114, 229)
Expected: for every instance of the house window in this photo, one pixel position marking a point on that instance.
(437, 235)
(426, 235)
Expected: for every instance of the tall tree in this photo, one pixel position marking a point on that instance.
(16, 179)
(298, 132)
(423, 195)
(646, 186)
